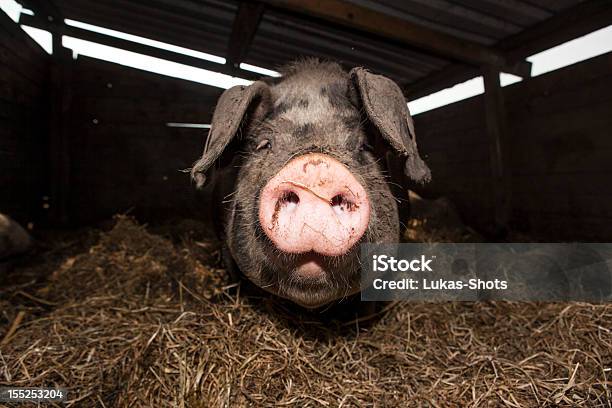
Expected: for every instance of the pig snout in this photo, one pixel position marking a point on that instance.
(314, 204)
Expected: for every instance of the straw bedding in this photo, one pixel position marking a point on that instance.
(135, 316)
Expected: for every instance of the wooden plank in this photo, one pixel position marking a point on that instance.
(13, 138)
(136, 119)
(59, 136)
(468, 169)
(576, 204)
(585, 183)
(368, 44)
(160, 14)
(113, 106)
(135, 168)
(14, 89)
(98, 78)
(574, 22)
(559, 227)
(196, 30)
(555, 134)
(44, 8)
(453, 18)
(326, 50)
(114, 87)
(140, 48)
(475, 152)
(465, 184)
(273, 46)
(26, 70)
(564, 160)
(12, 32)
(448, 120)
(559, 149)
(198, 40)
(243, 31)
(438, 142)
(496, 128)
(519, 11)
(581, 19)
(445, 78)
(364, 19)
(15, 48)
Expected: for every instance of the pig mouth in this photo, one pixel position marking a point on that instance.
(310, 267)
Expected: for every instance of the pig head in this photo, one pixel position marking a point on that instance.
(298, 162)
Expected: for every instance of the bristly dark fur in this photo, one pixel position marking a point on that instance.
(315, 106)
(306, 64)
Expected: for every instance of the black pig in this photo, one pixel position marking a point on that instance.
(301, 176)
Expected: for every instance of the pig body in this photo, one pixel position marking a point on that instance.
(14, 240)
(300, 176)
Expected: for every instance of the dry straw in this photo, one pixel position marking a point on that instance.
(131, 319)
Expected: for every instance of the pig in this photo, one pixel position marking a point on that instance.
(299, 163)
(14, 240)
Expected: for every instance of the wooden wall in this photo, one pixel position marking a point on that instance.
(23, 78)
(561, 153)
(123, 157)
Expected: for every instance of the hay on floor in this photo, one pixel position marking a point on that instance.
(137, 319)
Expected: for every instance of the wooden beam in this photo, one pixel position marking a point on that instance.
(47, 11)
(361, 18)
(43, 8)
(59, 111)
(60, 100)
(496, 120)
(445, 78)
(185, 35)
(243, 31)
(574, 22)
(17, 34)
(138, 48)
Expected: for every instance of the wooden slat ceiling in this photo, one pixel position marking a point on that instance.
(283, 35)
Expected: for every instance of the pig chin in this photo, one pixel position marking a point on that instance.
(313, 297)
(311, 279)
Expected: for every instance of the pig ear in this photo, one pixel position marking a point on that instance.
(236, 106)
(386, 108)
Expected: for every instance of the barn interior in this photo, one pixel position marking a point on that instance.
(135, 310)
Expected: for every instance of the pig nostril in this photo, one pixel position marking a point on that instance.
(341, 204)
(289, 199)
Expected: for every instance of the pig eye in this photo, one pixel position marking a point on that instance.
(366, 147)
(264, 144)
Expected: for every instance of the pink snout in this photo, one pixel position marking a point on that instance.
(315, 204)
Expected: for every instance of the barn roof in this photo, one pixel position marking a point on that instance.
(425, 45)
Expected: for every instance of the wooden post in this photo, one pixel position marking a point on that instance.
(60, 98)
(243, 31)
(497, 129)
